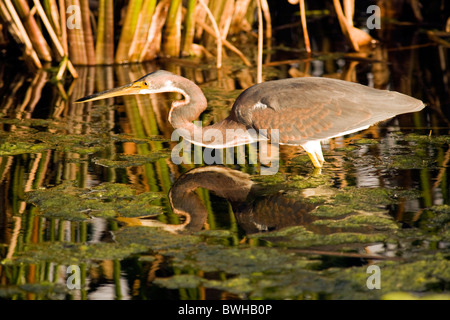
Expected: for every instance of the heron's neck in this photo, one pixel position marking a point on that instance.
(183, 112)
(226, 133)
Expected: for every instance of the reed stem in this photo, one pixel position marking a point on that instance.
(304, 25)
(54, 37)
(104, 47)
(87, 33)
(18, 30)
(63, 35)
(172, 35)
(217, 33)
(189, 27)
(77, 48)
(142, 29)
(32, 28)
(260, 43)
(128, 29)
(152, 46)
(227, 44)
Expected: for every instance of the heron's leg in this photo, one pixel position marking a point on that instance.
(314, 151)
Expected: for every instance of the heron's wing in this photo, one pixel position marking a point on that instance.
(317, 108)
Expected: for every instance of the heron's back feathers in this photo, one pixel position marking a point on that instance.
(305, 109)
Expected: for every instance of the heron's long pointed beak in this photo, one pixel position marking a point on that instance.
(128, 89)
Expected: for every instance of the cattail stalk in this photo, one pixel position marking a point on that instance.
(142, 29)
(260, 44)
(54, 36)
(32, 28)
(216, 31)
(172, 35)
(104, 47)
(238, 22)
(304, 25)
(77, 48)
(51, 8)
(128, 29)
(152, 46)
(226, 43)
(189, 27)
(63, 34)
(18, 30)
(87, 32)
(268, 19)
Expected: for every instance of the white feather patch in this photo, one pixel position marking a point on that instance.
(259, 105)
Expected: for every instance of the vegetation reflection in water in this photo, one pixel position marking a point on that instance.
(82, 184)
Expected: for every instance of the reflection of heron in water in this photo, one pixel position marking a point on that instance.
(305, 111)
(255, 208)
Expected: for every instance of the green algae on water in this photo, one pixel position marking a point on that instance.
(430, 273)
(155, 238)
(351, 200)
(365, 141)
(74, 253)
(45, 288)
(35, 142)
(411, 161)
(300, 237)
(312, 181)
(122, 137)
(427, 139)
(330, 211)
(368, 221)
(132, 160)
(9, 149)
(180, 281)
(107, 200)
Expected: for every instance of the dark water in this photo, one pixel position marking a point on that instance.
(85, 187)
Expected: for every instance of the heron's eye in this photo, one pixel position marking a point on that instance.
(145, 83)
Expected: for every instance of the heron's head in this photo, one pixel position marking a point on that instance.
(155, 82)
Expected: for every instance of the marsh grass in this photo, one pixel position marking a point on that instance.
(90, 33)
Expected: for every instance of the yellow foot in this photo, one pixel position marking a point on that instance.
(314, 151)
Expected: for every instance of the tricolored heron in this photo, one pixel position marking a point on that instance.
(305, 111)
